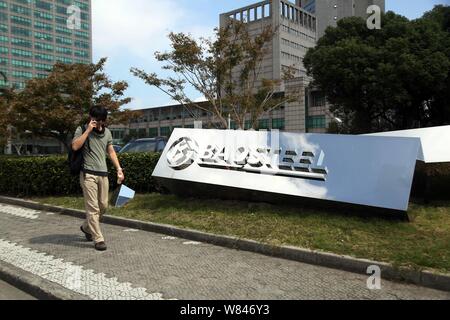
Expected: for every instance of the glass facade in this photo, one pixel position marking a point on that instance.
(263, 124)
(165, 131)
(152, 132)
(278, 124)
(34, 35)
(316, 122)
(318, 99)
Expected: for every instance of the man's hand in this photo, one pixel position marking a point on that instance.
(120, 176)
(115, 161)
(92, 125)
(78, 143)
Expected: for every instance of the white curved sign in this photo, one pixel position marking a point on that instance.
(434, 142)
(363, 170)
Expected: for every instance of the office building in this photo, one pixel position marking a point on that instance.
(296, 34)
(329, 12)
(34, 35)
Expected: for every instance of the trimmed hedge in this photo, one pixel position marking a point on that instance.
(42, 176)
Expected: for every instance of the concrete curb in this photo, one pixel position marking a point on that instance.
(36, 286)
(422, 278)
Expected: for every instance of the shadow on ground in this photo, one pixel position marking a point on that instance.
(71, 240)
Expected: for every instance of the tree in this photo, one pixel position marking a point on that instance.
(439, 106)
(226, 71)
(382, 79)
(3, 123)
(6, 95)
(53, 107)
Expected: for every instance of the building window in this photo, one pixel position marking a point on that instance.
(20, 31)
(43, 36)
(142, 133)
(43, 66)
(21, 53)
(43, 56)
(63, 40)
(43, 26)
(22, 74)
(43, 15)
(133, 133)
(278, 124)
(138, 133)
(316, 122)
(19, 85)
(43, 46)
(152, 132)
(263, 124)
(118, 134)
(43, 5)
(318, 99)
(64, 60)
(165, 131)
(21, 21)
(19, 9)
(22, 63)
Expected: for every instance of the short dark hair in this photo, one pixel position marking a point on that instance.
(98, 113)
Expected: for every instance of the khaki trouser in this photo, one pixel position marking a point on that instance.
(95, 192)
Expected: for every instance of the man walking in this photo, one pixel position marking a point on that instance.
(96, 141)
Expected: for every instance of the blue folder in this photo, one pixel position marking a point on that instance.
(122, 196)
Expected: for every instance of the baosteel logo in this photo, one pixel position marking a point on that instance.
(182, 153)
(296, 163)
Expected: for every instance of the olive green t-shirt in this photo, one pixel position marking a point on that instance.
(95, 152)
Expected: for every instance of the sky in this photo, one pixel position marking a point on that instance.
(128, 32)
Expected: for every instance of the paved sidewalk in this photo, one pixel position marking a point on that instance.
(145, 265)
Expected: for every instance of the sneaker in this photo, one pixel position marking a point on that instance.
(86, 234)
(100, 246)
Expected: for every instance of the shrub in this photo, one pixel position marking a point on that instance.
(432, 181)
(40, 176)
(138, 169)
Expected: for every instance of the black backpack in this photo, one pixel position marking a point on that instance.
(76, 157)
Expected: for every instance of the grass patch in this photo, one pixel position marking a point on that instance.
(421, 244)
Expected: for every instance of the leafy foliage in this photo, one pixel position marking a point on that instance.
(226, 71)
(6, 95)
(393, 78)
(55, 106)
(28, 176)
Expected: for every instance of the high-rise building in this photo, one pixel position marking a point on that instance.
(35, 34)
(300, 24)
(328, 12)
(297, 32)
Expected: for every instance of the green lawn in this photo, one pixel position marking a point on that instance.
(423, 243)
